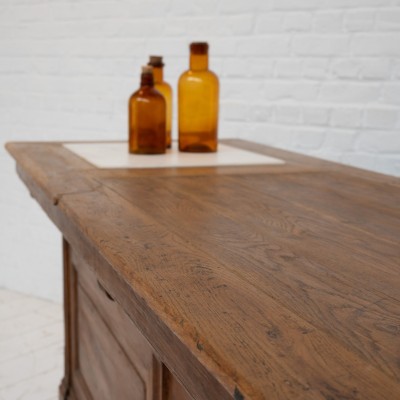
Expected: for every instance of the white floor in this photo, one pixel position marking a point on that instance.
(31, 347)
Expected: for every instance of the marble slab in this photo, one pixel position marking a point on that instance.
(116, 155)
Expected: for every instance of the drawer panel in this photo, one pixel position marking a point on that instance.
(103, 364)
(124, 330)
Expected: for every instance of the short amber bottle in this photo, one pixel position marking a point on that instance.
(164, 88)
(198, 96)
(147, 117)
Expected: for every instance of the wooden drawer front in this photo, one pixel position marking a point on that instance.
(126, 333)
(104, 366)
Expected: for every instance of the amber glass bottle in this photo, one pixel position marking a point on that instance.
(147, 117)
(198, 92)
(164, 88)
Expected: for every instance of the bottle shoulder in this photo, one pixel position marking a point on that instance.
(163, 87)
(193, 75)
(148, 93)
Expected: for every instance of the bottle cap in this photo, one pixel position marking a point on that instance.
(147, 69)
(156, 61)
(199, 47)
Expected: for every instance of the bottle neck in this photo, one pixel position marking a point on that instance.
(158, 74)
(146, 79)
(198, 62)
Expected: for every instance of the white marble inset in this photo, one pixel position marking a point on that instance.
(116, 155)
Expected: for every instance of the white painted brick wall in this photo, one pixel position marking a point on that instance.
(316, 76)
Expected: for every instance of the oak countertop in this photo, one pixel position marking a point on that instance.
(275, 282)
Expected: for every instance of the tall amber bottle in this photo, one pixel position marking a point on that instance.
(164, 88)
(198, 93)
(147, 117)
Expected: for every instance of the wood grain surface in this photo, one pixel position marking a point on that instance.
(272, 282)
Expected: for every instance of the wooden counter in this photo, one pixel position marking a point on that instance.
(265, 282)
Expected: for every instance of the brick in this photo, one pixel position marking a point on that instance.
(359, 21)
(395, 70)
(260, 113)
(328, 22)
(300, 91)
(348, 92)
(194, 7)
(239, 6)
(346, 117)
(381, 118)
(8, 32)
(356, 3)
(126, 67)
(296, 5)
(141, 28)
(19, 48)
(220, 26)
(160, 45)
(183, 27)
(346, 68)
(68, 11)
(287, 114)
(361, 160)
(33, 12)
(234, 129)
(147, 9)
(234, 110)
(388, 164)
(315, 115)
(15, 66)
(289, 68)
(316, 68)
(379, 45)
(376, 141)
(309, 139)
(233, 25)
(268, 46)
(106, 10)
(261, 67)
(10, 100)
(322, 45)
(11, 83)
(340, 140)
(223, 46)
(91, 47)
(388, 20)
(233, 67)
(8, 118)
(285, 136)
(240, 90)
(33, 101)
(375, 69)
(91, 29)
(176, 27)
(297, 21)
(391, 93)
(271, 22)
